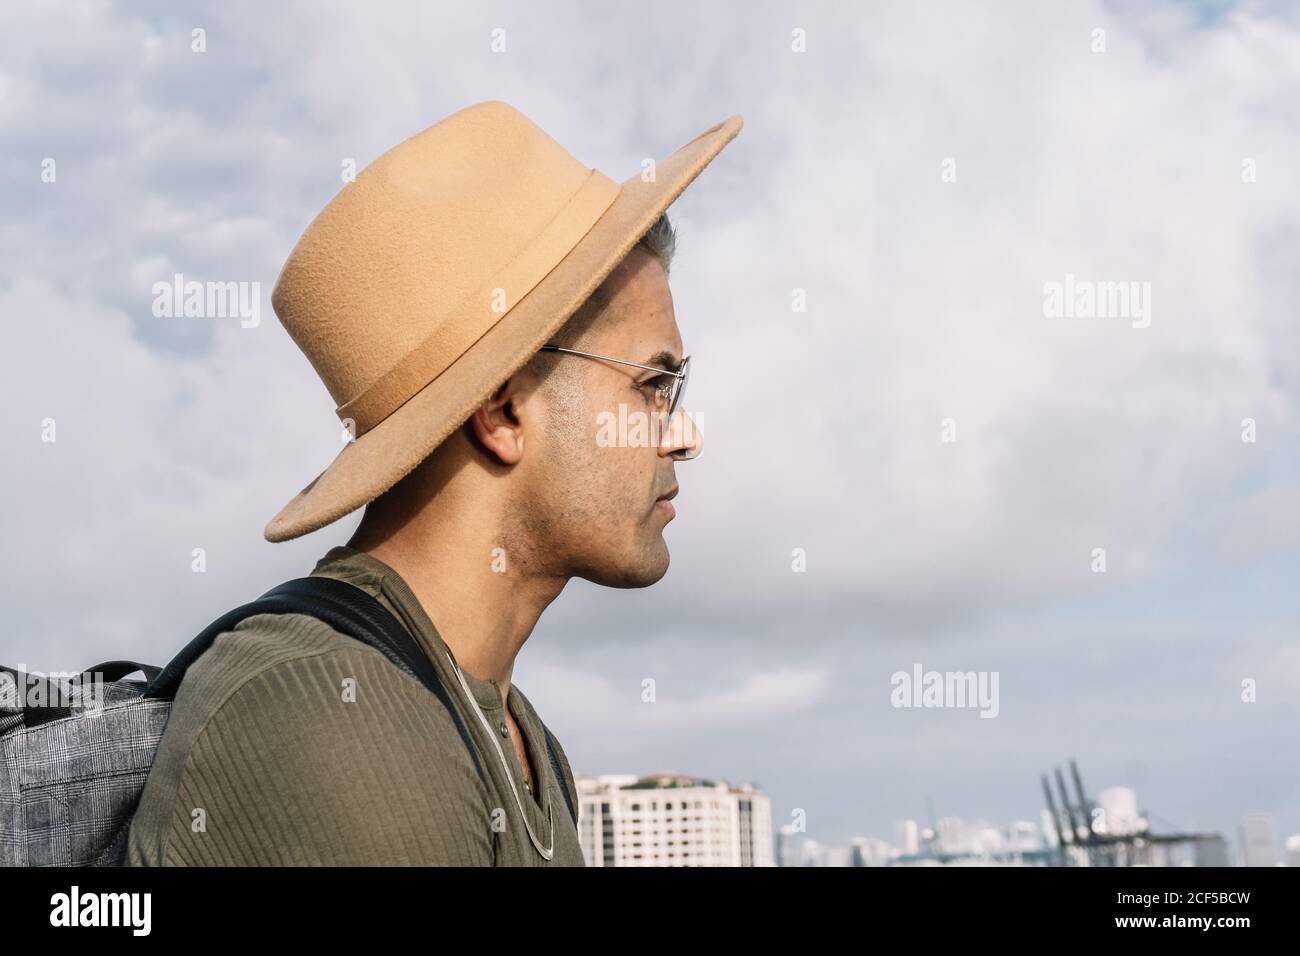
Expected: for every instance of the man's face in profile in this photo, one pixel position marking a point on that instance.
(607, 454)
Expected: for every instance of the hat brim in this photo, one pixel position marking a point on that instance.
(383, 455)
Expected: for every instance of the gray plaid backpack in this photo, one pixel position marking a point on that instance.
(74, 755)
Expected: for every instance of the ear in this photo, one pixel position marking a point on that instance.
(496, 426)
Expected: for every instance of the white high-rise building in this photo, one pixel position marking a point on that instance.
(1120, 815)
(907, 837)
(1258, 845)
(671, 819)
(955, 836)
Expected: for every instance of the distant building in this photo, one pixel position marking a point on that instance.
(1258, 843)
(1120, 815)
(1210, 850)
(670, 819)
(907, 837)
(978, 843)
(838, 856)
(868, 851)
(1023, 835)
(1293, 850)
(955, 836)
(812, 853)
(789, 842)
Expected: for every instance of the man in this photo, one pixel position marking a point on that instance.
(490, 315)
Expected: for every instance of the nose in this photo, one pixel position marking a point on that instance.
(682, 439)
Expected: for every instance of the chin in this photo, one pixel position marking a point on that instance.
(641, 571)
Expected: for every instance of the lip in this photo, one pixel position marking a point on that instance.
(664, 502)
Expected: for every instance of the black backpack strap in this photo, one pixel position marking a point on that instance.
(344, 607)
(559, 774)
(116, 670)
(39, 687)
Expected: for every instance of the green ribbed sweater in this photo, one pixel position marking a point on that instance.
(290, 743)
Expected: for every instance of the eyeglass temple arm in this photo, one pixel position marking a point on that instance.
(653, 368)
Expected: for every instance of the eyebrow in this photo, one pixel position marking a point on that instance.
(665, 359)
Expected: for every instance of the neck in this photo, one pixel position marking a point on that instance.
(472, 575)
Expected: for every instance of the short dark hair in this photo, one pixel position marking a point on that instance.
(661, 239)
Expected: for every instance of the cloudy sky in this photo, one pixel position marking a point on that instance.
(921, 172)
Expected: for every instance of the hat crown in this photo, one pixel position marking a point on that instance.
(421, 230)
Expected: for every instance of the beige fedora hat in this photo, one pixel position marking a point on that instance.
(430, 279)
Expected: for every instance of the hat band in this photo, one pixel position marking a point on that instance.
(478, 313)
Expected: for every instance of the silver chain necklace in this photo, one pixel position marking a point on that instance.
(546, 851)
